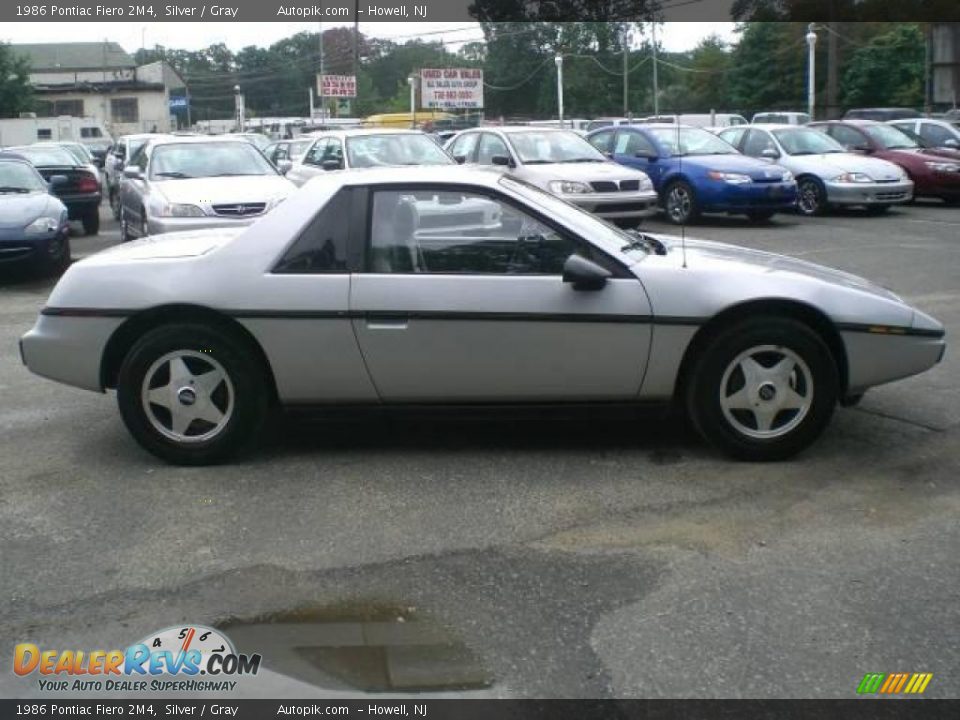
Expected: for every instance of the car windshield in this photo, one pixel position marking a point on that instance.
(691, 141)
(47, 155)
(208, 159)
(18, 177)
(545, 148)
(390, 150)
(807, 142)
(79, 152)
(890, 137)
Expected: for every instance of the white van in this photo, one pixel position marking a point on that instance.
(780, 117)
(27, 130)
(701, 120)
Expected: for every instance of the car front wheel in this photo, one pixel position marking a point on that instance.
(192, 394)
(811, 197)
(91, 220)
(763, 389)
(680, 202)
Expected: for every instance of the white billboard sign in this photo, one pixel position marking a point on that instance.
(337, 85)
(451, 88)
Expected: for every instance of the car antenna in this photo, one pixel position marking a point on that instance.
(683, 224)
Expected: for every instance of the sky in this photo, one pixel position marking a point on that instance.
(674, 37)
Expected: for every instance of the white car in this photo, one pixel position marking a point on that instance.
(936, 133)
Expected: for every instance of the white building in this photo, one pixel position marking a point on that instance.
(100, 80)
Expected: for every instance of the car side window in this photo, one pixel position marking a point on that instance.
(315, 155)
(490, 146)
(934, 134)
(634, 144)
(733, 136)
(450, 231)
(322, 246)
(848, 137)
(333, 152)
(464, 146)
(139, 158)
(757, 141)
(603, 141)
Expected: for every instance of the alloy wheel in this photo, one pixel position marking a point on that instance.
(809, 197)
(766, 392)
(679, 204)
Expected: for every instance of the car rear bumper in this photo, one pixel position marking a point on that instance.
(617, 205)
(869, 193)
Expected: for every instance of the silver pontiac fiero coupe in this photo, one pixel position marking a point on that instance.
(349, 293)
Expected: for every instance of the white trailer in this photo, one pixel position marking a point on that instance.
(24, 131)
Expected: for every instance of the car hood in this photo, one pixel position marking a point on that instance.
(759, 261)
(17, 211)
(582, 172)
(168, 246)
(756, 169)
(833, 164)
(209, 191)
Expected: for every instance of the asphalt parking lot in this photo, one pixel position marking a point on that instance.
(571, 554)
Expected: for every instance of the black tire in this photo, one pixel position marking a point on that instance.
(91, 220)
(811, 197)
(124, 228)
(680, 203)
(56, 259)
(877, 209)
(202, 345)
(714, 374)
(144, 228)
(759, 216)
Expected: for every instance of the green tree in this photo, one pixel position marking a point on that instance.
(16, 95)
(886, 71)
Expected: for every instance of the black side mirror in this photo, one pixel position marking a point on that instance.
(769, 154)
(461, 159)
(57, 181)
(502, 160)
(584, 274)
(330, 165)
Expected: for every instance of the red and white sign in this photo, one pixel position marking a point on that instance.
(451, 88)
(337, 85)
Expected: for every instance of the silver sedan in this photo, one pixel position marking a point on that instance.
(563, 163)
(350, 295)
(190, 183)
(826, 173)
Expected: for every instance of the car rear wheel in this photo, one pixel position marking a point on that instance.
(680, 202)
(115, 203)
(124, 228)
(191, 394)
(56, 259)
(91, 220)
(763, 389)
(811, 197)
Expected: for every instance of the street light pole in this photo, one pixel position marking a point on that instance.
(411, 80)
(656, 90)
(626, 69)
(811, 69)
(558, 59)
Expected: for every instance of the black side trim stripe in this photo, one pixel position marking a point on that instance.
(402, 315)
(889, 330)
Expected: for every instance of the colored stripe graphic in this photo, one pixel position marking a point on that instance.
(894, 683)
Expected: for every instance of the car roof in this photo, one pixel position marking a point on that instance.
(357, 132)
(194, 139)
(768, 126)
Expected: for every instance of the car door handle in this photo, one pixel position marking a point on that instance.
(386, 322)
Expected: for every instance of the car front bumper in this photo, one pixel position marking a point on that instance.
(747, 197)
(159, 225)
(869, 193)
(616, 205)
(68, 349)
(880, 354)
(17, 247)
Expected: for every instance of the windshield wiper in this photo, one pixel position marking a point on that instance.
(236, 175)
(12, 189)
(173, 174)
(539, 162)
(641, 241)
(583, 160)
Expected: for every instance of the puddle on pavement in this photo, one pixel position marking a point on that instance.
(372, 648)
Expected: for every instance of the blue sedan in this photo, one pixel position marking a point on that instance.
(694, 171)
(33, 223)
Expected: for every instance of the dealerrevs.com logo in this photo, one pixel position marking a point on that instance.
(173, 659)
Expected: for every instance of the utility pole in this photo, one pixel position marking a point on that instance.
(356, 37)
(323, 105)
(811, 69)
(558, 59)
(656, 90)
(626, 69)
(412, 80)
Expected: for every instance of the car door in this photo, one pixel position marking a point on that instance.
(464, 148)
(462, 299)
(133, 192)
(634, 149)
(758, 144)
(490, 146)
(311, 165)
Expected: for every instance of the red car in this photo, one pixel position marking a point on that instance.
(935, 172)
